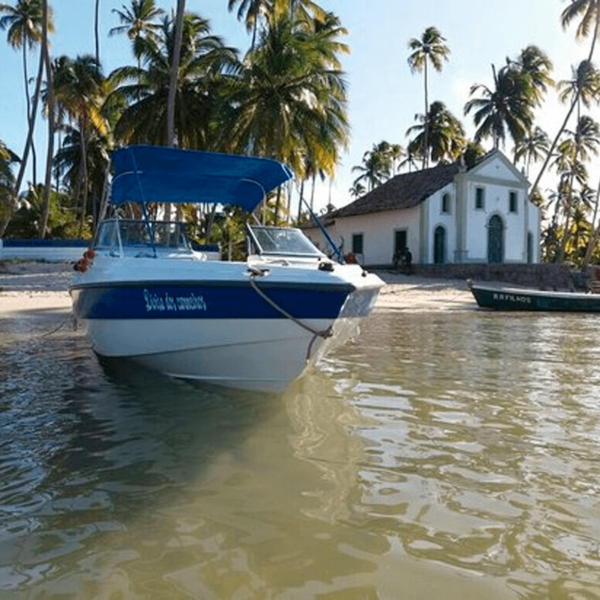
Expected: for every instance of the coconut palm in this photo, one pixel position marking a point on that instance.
(574, 151)
(357, 190)
(79, 93)
(582, 88)
(23, 23)
(43, 221)
(446, 135)
(581, 230)
(69, 158)
(532, 148)
(430, 47)
(375, 169)
(505, 109)
(251, 11)
(588, 11)
(537, 66)
(297, 9)
(592, 243)
(143, 91)
(138, 22)
(97, 30)
(290, 101)
(7, 179)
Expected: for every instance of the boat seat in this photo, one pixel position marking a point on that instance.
(595, 287)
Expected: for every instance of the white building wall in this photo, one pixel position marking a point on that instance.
(378, 231)
(496, 202)
(437, 218)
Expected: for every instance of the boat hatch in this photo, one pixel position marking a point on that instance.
(281, 241)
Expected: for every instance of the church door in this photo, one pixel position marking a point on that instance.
(495, 240)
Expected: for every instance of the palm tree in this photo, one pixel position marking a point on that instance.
(589, 13)
(583, 88)
(447, 138)
(536, 66)
(532, 148)
(24, 25)
(138, 22)
(69, 158)
(143, 91)
(577, 149)
(290, 101)
(357, 190)
(79, 92)
(7, 180)
(251, 11)
(507, 108)
(51, 121)
(429, 47)
(375, 169)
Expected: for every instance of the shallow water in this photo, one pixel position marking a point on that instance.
(442, 455)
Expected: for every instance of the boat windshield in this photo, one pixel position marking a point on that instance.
(120, 234)
(281, 241)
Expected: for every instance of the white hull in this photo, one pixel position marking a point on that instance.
(251, 325)
(251, 354)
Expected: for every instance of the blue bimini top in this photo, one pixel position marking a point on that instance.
(164, 174)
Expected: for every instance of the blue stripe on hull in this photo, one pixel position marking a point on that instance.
(149, 300)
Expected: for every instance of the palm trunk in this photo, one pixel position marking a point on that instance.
(28, 143)
(277, 203)
(51, 124)
(553, 146)
(174, 73)
(171, 139)
(426, 129)
(83, 174)
(28, 104)
(96, 31)
(301, 199)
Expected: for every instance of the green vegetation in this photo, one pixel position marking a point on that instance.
(504, 114)
(287, 99)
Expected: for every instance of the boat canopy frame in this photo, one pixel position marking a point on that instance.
(143, 174)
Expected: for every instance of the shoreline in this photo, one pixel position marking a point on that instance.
(27, 287)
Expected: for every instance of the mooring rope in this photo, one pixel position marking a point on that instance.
(327, 333)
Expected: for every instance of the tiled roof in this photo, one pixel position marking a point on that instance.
(403, 191)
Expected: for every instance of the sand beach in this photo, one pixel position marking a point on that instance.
(27, 287)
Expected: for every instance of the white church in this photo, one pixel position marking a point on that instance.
(444, 214)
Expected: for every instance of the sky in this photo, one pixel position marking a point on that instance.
(384, 95)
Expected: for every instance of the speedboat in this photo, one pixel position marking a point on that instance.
(145, 293)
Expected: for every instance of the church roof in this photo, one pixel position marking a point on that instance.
(402, 191)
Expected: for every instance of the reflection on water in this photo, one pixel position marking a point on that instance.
(443, 455)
